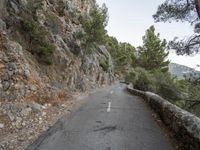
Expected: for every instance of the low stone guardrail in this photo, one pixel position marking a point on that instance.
(185, 125)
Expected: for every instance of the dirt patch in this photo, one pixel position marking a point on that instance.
(18, 134)
(21, 132)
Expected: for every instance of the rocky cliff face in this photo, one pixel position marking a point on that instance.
(23, 74)
(41, 60)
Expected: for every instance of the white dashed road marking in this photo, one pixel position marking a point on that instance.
(109, 107)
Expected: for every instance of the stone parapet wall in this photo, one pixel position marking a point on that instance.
(185, 125)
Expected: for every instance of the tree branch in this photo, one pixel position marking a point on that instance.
(197, 4)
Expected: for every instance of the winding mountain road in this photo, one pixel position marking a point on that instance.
(109, 119)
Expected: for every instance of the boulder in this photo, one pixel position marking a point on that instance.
(36, 107)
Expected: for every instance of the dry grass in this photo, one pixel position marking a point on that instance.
(49, 98)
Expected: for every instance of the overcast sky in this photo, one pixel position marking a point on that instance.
(129, 19)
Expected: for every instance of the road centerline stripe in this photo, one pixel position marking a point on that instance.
(109, 107)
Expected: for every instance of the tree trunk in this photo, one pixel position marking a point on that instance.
(197, 3)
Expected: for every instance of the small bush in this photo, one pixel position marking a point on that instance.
(46, 49)
(40, 39)
(61, 8)
(33, 5)
(28, 26)
(104, 64)
(157, 82)
(131, 76)
(144, 80)
(94, 27)
(166, 86)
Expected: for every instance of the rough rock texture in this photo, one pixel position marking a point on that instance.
(23, 77)
(26, 84)
(185, 125)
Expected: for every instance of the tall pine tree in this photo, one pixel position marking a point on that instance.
(152, 55)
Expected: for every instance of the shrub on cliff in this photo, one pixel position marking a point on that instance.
(38, 37)
(94, 27)
(61, 8)
(103, 62)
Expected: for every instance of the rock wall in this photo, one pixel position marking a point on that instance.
(24, 80)
(185, 125)
(23, 77)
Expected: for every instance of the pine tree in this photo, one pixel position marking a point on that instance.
(152, 54)
(94, 27)
(181, 10)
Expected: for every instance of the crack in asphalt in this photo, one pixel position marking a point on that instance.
(106, 129)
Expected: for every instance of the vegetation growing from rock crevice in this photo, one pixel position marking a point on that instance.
(40, 40)
(61, 8)
(94, 27)
(103, 62)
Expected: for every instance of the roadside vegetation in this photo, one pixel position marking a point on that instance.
(150, 73)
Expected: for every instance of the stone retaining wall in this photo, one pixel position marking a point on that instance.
(185, 125)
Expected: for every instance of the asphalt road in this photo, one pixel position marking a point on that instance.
(109, 119)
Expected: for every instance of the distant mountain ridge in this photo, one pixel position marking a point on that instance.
(180, 71)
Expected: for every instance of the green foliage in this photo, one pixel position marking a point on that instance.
(82, 1)
(184, 93)
(61, 8)
(28, 26)
(167, 86)
(123, 54)
(104, 64)
(131, 76)
(182, 10)
(157, 82)
(143, 80)
(46, 49)
(33, 5)
(40, 39)
(152, 54)
(94, 27)
(190, 101)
